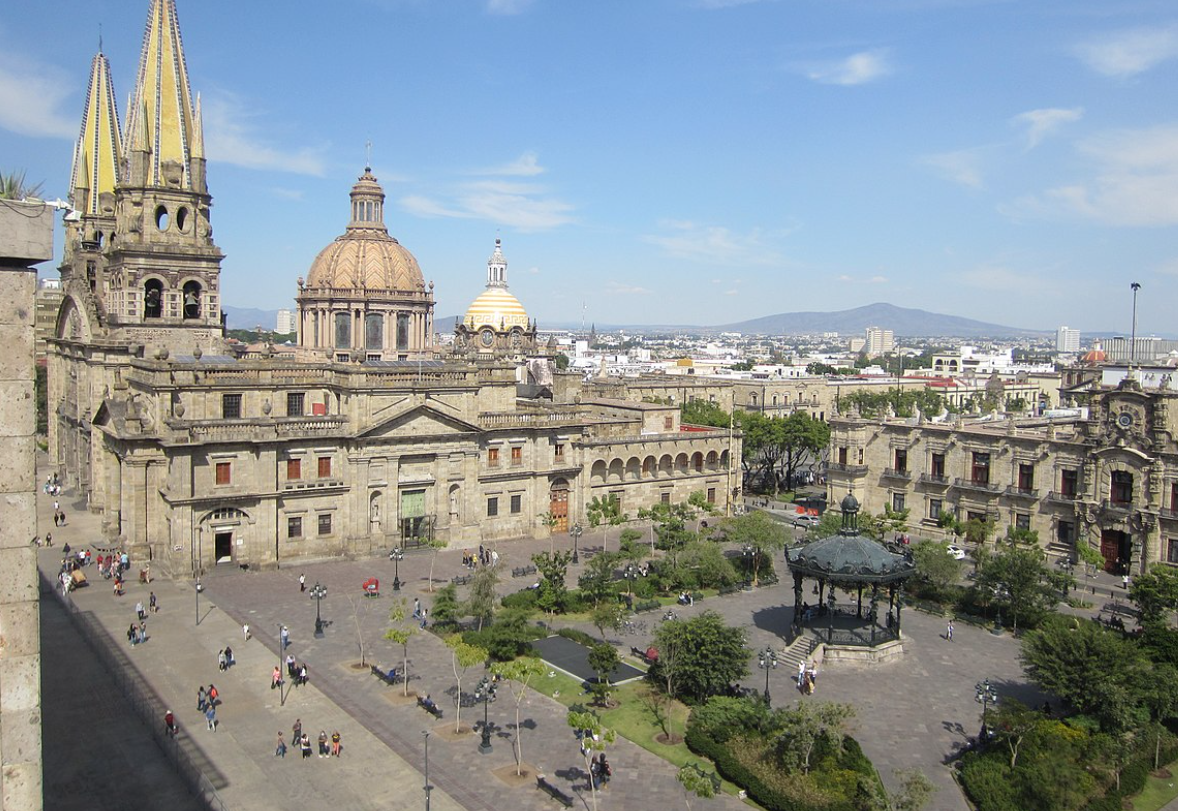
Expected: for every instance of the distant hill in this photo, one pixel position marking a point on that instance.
(900, 320)
(248, 318)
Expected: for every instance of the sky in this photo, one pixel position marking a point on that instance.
(669, 161)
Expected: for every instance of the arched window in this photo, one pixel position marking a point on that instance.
(192, 292)
(374, 331)
(153, 298)
(343, 330)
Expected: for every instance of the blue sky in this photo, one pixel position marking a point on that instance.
(670, 161)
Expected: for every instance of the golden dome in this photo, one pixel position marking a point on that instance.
(496, 307)
(365, 257)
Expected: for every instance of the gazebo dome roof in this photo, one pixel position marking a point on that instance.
(850, 557)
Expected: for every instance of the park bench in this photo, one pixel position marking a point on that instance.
(387, 676)
(461, 580)
(553, 791)
(432, 709)
(523, 571)
(731, 588)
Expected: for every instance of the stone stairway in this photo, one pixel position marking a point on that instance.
(797, 651)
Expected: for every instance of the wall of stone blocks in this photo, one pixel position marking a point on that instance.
(20, 647)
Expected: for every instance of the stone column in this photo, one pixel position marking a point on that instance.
(26, 237)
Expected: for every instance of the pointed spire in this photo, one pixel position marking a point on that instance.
(497, 267)
(162, 95)
(198, 132)
(96, 155)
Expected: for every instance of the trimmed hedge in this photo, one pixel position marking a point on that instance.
(578, 636)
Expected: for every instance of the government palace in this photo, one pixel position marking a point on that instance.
(367, 435)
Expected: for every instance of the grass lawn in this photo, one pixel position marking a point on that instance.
(1157, 792)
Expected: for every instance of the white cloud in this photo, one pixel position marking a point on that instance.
(507, 6)
(878, 280)
(963, 166)
(615, 288)
(1127, 53)
(31, 98)
(526, 165)
(860, 68)
(997, 278)
(870, 280)
(1134, 182)
(526, 206)
(714, 244)
(1042, 122)
(231, 137)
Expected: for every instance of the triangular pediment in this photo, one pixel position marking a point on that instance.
(420, 421)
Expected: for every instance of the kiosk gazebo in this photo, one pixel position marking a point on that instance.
(854, 563)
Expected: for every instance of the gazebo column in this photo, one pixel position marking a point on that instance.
(797, 623)
(873, 614)
(899, 605)
(830, 614)
(821, 589)
(859, 607)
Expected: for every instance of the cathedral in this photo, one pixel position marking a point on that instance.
(369, 435)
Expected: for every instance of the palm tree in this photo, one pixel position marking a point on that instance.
(13, 187)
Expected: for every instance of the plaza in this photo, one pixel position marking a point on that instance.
(910, 714)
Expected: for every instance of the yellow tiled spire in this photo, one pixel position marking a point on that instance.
(96, 155)
(162, 95)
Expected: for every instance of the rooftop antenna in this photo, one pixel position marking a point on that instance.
(100, 37)
(584, 307)
(1133, 335)
(368, 155)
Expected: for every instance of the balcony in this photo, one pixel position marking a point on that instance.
(1062, 498)
(851, 470)
(893, 473)
(1022, 492)
(979, 485)
(929, 478)
(1118, 508)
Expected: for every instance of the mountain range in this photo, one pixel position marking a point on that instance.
(902, 321)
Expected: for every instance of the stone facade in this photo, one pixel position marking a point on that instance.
(26, 237)
(1107, 478)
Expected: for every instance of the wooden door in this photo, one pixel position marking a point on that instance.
(558, 506)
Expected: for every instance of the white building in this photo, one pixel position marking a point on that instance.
(1067, 339)
(879, 341)
(286, 322)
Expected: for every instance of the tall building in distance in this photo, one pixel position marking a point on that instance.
(1067, 339)
(879, 341)
(285, 323)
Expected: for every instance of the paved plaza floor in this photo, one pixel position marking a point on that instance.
(910, 714)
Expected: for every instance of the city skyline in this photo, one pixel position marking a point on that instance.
(682, 161)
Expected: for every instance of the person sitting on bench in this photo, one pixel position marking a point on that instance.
(428, 704)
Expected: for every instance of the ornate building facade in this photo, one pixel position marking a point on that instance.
(1105, 476)
(368, 437)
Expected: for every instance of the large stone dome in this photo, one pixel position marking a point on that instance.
(365, 257)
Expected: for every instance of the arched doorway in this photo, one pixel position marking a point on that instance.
(222, 536)
(558, 505)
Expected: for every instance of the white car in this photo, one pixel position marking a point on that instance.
(957, 552)
(806, 520)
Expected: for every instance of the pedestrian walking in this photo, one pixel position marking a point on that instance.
(211, 717)
(1125, 582)
(335, 743)
(323, 750)
(170, 723)
(305, 745)
(245, 631)
(202, 699)
(133, 635)
(949, 631)
(153, 603)
(416, 608)
(214, 696)
(285, 634)
(280, 750)
(290, 666)
(139, 612)
(423, 619)
(229, 660)
(222, 662)
(276, 678)
(296, 732)
(302, 582)
(801, 672)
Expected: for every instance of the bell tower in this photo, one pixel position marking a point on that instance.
(162, 268)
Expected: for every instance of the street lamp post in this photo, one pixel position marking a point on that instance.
(395, 556)
(318, 592)
(196, 590)
(484, 691)
(986, 695)
(576, 533)
(631, 574)
(281, 651)
(767, 660)
(428, 787)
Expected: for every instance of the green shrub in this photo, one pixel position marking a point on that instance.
(525, 598)
(578, 636)
(647, 605)
(987, 781)
(508, 637)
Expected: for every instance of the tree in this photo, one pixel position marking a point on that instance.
(603, 512)
(935, 564)
(758, 531)
(603, 658)
(446, 609)
(435, 546)
(553, 567)
(519, 673)
(1098, 671)
(1089, 555)
(608, 615)
(979, 530)
(481, 601)
(699, 565)
(597, 580)
(401, 635)
(1019, 578)
(562, 361)
(699, 657)
(805, 726)
(698, 502)
(915, 792)
(703, 412)
(462, 657)
(658, 704)
(360, 606)
(14, 187)
(1013, 721)
(551, 521)
(1155, 593)
(594, 738)
(698, 782)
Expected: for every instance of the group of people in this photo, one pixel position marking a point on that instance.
(297, 673)
(225, 659)
(207, 702)
(419, 612)
(686, 598)
(600, 770)
(807, 676)
(328, 747)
